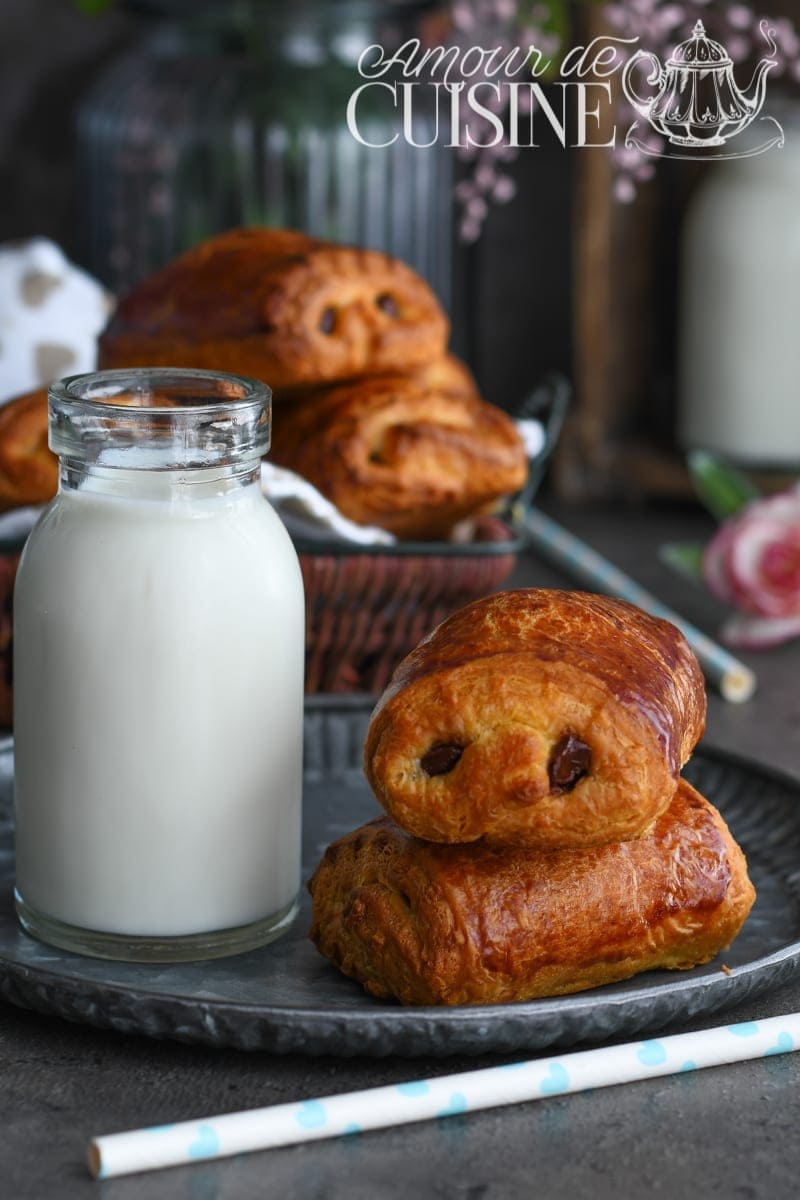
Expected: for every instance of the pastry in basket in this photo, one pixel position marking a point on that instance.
(28, 469)
(537, 717)
(448, 374)
(393, 452)
(282, 307)
(480, 924)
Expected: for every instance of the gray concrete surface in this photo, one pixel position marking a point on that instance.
(727, 1132)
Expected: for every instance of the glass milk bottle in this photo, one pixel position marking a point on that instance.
(739, 355)
(159, 644)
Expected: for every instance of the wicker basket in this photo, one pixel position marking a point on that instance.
(365, 611)
(368, 607)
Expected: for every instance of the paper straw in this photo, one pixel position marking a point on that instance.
(442, 1096)
(735, 681)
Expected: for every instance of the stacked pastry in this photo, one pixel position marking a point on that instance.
(539, 837)
(28, 469)
(369, 407)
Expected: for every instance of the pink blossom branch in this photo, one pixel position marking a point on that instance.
(657, 24)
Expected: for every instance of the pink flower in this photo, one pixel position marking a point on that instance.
(759, 633)
(738, 48)
(753, 564)
(624, 189)
(740, 16)
(504, 190)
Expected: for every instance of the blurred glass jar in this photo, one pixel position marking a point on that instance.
(229, 114)
(739, 350)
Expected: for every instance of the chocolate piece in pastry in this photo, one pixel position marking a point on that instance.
(280, 306)
(537, 717)
(28, 468)
(391, 452)
(476, 924)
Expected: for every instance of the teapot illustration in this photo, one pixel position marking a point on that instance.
(698, 102)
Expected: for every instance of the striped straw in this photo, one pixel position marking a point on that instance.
(442, 1096)
(733, 679)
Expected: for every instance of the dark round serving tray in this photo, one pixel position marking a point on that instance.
(286, 998)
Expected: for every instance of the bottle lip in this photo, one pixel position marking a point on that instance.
(99, 388)
(160, 418)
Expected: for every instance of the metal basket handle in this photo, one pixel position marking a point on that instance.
(548, 403)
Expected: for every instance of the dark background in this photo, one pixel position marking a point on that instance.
(515, 290)
(513, 287)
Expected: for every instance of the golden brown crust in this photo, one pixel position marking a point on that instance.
(473, 924)
(280, 306)
(448, 374)
(505, 681)
(28, 468)
(391, 452)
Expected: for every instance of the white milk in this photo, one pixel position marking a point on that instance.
(159, 636)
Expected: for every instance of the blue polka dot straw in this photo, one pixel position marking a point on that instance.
(438, 1097)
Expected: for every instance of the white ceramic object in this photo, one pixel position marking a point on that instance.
(51, 314)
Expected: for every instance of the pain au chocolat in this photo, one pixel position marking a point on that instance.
(28, 468)
(280, 306)
(480, 924)
(448, 374)
(404, 455)
(537, 718)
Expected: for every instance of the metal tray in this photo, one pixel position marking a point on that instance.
(286, 998)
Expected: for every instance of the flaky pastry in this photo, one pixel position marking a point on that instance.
(537, 717)
(393, 452)
(477, 924)
(28, 468)
(282, 307)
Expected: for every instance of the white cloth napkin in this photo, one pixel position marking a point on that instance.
(305, 511)
(533, 436)
(16, 525)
